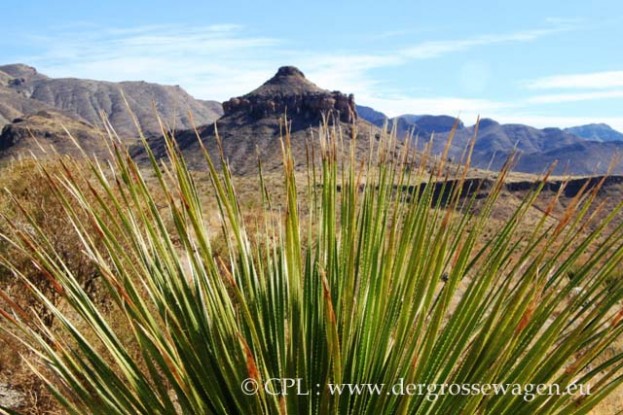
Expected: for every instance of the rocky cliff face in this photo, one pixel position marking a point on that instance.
(252, 126)
(289, 92)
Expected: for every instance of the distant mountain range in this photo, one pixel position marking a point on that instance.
(596, 132)
(581, 150)
(32, 104)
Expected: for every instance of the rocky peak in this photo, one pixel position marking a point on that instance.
(21, 73)
(286, 71)
(289, 71)
(290, 92)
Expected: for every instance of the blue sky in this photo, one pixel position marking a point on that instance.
(544, 63)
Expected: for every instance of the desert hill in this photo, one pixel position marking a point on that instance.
(44, 132)
(253, 124)
(87, 99)
(14, 105)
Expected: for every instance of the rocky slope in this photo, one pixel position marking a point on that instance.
(88, 100)
(290, 93)
(252, 124)
(596, 132)
(13, 105)
(46, 132)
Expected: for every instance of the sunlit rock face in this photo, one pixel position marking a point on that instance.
(290, 93)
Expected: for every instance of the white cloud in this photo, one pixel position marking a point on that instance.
(220, 61)
(434, 49)
(595, 80)
(575, 97)
(214, 62)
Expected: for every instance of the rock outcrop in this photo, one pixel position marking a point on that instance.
(252, 127)
(289, 92)
(45, 132)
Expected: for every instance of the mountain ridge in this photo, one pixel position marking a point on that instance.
(537, 148)
(25, 92)
(88, 100)
(596, 132)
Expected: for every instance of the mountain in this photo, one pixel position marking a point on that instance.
(13, 105)
(289, 92)
(596, 132)
(87, 100)
(371, 115)
(409, 123)
(423, 125)
(578, 158)
(20, 73)
(536, 148)
(44, 131)
(434, 123)
(252, 124)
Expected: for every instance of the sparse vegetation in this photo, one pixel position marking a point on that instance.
(381, 280)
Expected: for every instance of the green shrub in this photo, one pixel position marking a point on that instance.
(382, 282)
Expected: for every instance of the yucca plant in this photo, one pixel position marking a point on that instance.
(364, 279)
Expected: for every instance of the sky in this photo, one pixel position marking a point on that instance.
(542, 63)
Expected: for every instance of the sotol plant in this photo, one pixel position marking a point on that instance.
(385, 278)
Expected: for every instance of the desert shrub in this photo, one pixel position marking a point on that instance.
(28, 196)
(380, 284)
(29, 205)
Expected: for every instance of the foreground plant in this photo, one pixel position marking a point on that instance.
(386, 280)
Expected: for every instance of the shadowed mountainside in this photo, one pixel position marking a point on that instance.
(44, 131)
